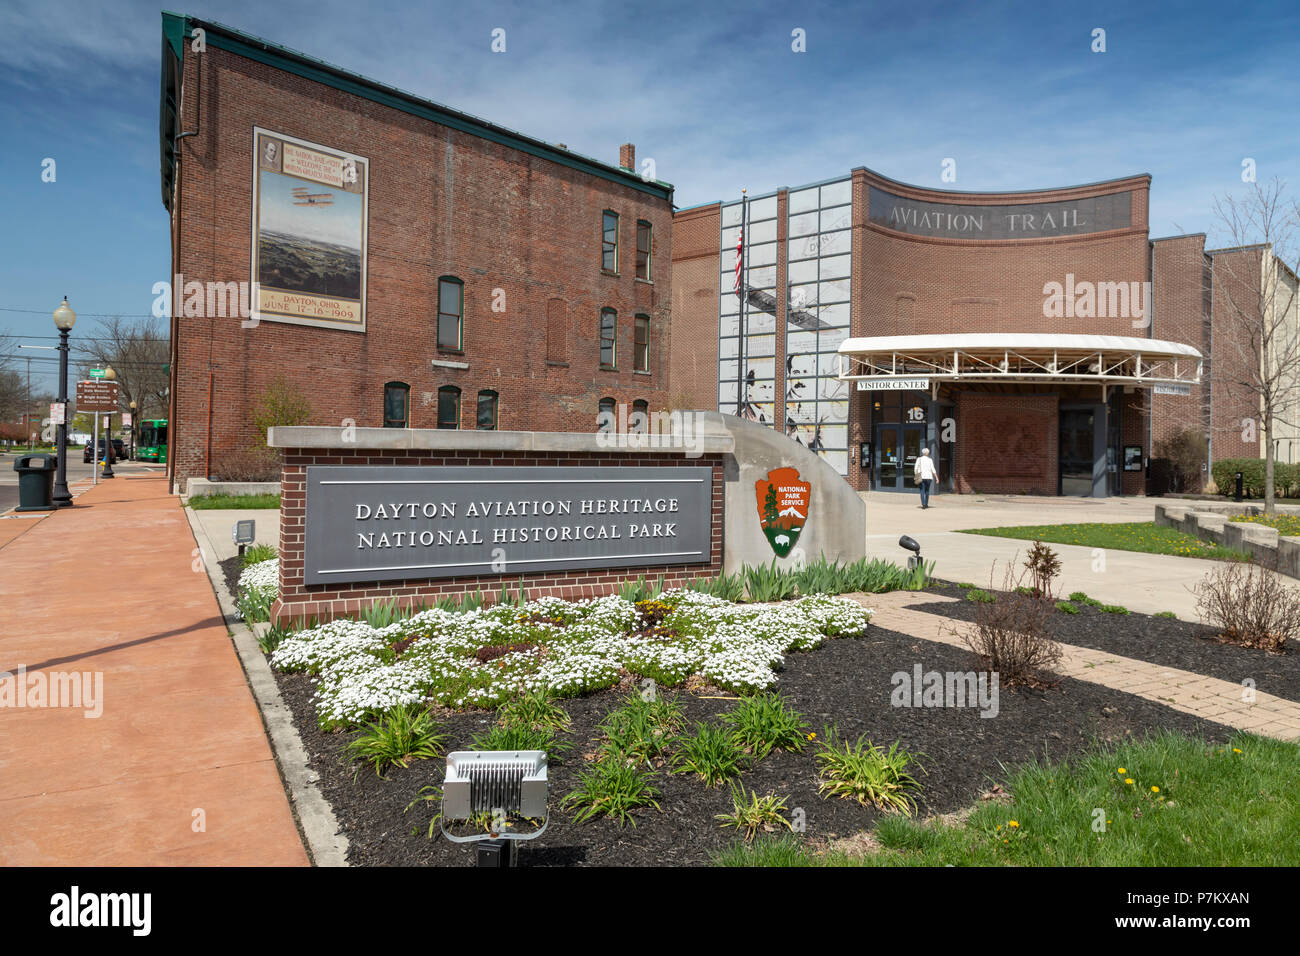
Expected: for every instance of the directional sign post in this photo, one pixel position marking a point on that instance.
(97, 373)
(97, 396)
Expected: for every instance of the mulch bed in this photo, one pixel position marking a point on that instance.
(846, 681)
(230, 570)
(1186, 645)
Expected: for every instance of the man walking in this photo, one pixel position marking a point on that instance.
(926, 475)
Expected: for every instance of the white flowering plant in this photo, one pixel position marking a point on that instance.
(485, 656)
(259, 585)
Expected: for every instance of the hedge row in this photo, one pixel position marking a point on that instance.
(1286, 477)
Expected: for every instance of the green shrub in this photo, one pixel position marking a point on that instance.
(763, 723)
(612, 788)
(1168, 614)
(711, 753)
(1066, 607)
(1286, 477)
(398, 737)
(752, 813)
(1078, 597)
(980, 596)
(864, 772)
(966, 586)
(1112, 609)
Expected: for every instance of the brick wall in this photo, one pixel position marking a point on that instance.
(442, 202)
(980, 285)
(1180, 314)
(1236, 284)
(696, 271)
(1007, 444)
(299, 602)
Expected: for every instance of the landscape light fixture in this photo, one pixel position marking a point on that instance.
(64, 320)
(497, 783)
(911, 544)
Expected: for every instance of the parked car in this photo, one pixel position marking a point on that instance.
(103, 444)
(119, 449)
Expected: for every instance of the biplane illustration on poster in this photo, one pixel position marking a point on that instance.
(309, 232)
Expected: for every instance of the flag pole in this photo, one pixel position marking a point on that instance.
(741, 342)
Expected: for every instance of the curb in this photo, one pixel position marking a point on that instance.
(326, 845)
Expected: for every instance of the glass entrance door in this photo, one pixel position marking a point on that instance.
(898, 448)
(1076, 452)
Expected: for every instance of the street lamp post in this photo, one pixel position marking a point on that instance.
(109, 375)
(64, 320)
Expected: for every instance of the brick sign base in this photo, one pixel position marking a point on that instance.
(301, 603)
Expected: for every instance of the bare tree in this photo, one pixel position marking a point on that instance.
(13, 391)
(1256, 325)
(138, 351)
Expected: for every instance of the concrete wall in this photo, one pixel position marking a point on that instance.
(836, 525)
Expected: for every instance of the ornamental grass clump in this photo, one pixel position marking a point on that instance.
(763, 723)
(612, 788)
(753, 813)
(398, 737)
(641, 730)
(1250, 606)
(864, 772)
(710, 753)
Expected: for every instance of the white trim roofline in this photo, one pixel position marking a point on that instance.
(1016, 342)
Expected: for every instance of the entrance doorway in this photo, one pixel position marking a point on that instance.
(898, 448)
(1077, 452)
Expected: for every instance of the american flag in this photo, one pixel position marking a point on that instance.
(740, 257)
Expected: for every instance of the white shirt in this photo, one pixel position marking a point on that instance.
(925, 468)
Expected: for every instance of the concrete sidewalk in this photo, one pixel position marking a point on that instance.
(1147, 583)
(176, 769)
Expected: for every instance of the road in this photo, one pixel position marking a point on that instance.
(77, 469)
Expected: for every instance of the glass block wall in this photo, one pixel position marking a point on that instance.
(747, 378)
(817, 318)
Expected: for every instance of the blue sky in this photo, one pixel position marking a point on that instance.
(711, 91)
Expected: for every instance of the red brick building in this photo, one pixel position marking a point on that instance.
(1019, 335)
(397, 262)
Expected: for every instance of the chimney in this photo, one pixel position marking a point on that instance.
(627, 156)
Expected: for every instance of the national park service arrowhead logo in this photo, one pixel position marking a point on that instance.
(782, 507)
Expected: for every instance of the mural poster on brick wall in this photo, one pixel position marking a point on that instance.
(309, 232)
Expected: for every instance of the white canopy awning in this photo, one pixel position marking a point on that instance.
(1018, 357)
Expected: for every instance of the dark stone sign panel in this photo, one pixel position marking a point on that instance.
(1035, 220)
(390, 522)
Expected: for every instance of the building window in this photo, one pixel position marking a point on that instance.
(451, 313)
(608, 338)
(643, 250)
(609, 241)
(640, 420)
(641, 347)
(449, 407)
(487, 410)
(606, 417)
(397, 404)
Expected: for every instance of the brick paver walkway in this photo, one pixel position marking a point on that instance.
(1207, 697)
(177, 768)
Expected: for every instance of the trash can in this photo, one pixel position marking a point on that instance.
(35, 482)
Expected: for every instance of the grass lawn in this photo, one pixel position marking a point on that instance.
(1287, 524)
(223, 502)
(1167, 801)
(1130, 536)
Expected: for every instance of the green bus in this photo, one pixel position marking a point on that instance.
(153, 440)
